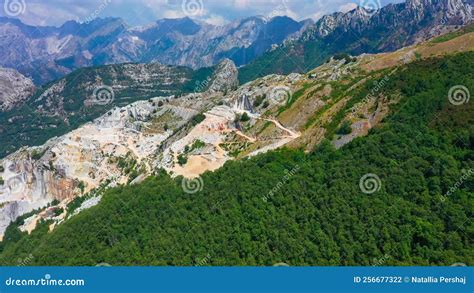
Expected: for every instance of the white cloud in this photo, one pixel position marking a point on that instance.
(347, 7)
(241, 4)
(141, 12)
(216, 20)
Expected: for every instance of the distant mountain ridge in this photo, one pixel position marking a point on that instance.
(48, 53)
(360, 31)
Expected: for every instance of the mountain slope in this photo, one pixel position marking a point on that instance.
(14, 89)
(358, 31)
(301, 209)
(87, 93)
(200, 132)
(48, 53)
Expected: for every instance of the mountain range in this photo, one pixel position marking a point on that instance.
(361, 31)
(110, 154)
(276, 45)
(48, 53)
(133, 186)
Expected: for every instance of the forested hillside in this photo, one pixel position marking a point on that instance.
(297, 208)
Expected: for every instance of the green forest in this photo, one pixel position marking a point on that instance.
(296, 208)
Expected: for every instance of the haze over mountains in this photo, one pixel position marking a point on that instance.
(48, 53)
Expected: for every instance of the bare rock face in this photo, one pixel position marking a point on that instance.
(225, 78)
(82, 160)
(28, 185)
(148, 135)
(14, 88)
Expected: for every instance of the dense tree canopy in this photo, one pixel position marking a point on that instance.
(301, 209)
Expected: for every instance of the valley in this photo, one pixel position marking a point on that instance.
(196, 133)
(251, 146)
(276, 200)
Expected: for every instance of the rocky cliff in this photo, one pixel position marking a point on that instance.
(14, 89)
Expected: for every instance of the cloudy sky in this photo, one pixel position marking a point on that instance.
(141, 12)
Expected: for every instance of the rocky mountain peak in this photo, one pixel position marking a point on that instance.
(460, 8)
(225, 77)
(442, 12)
(15, 88)
(450, 8)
